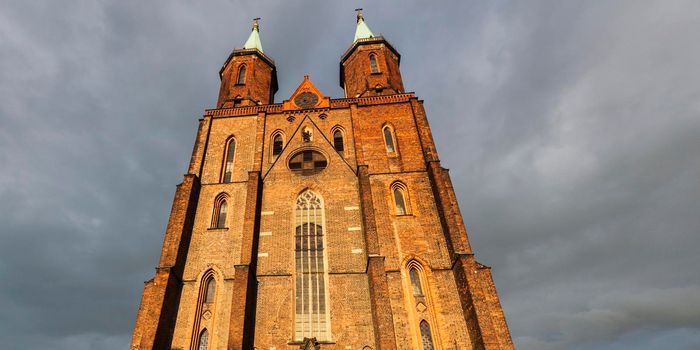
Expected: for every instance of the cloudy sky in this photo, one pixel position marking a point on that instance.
(572, 131)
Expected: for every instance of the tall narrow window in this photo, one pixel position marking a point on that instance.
(210, 292)
(373, 64)
(389, 140)
(311, 313)
(277, 145)
(338, 141)
(426, 337)
(203, 340)
(399, 191)
(241, 75)
(415, 282)
(228, 166)
(218, 220)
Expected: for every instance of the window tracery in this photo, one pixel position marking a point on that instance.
(311, 312)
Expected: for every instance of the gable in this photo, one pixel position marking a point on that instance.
(306, 96)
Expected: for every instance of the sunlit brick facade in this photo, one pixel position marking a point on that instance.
(318, 222)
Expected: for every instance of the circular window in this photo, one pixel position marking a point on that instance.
(308, 162)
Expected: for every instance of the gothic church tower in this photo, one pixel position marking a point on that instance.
(317, 222)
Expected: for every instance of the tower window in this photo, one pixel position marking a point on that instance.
(241, 75)
(211, 291)
(374, 67)
(203, 340)
(389, 139)
(415, 282)
(338, 141)
(311, 318)
(220, 208)
(400, 203)
(426, 337)
(228, 165)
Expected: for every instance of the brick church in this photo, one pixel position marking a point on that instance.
(317, 222)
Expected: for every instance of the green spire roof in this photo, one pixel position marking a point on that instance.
(253, 41)
(362, 31)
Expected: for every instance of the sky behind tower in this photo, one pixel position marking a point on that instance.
(572, 131)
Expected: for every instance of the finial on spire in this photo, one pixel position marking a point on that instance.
(360, 17)
(256, 25)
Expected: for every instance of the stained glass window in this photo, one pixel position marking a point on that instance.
(311, 313)
(203, 340)
(426, 337)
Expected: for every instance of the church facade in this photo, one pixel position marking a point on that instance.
(317, 222)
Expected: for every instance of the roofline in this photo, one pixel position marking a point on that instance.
(365, 41)
(263, 56)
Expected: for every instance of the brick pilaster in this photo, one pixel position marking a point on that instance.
(242, 318)
(376, 273)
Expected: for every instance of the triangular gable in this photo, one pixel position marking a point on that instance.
(293, 144)
(306, 96)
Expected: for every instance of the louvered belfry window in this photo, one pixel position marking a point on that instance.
(311, 311)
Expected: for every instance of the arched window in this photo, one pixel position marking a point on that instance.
(338, 140)
(389, 139)
(415, 282)
(218, 220)
(311, 313)
(241, 75)
(210, 292)
(203, 340)
(426, 337)
(228, 164)
(400, 198)
(374, 68)
(277, 144)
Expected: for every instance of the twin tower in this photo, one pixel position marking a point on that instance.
(318, 222)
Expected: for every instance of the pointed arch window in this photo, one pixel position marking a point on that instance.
(311, 312)
(338, 140)
(277, 144)
(415, 282)
(426, 336)
(400, 194)
(218, 219)
(389, 139)
(210, 291)
(241, 75)
(203, 340)
(228, 162)
(373, 66)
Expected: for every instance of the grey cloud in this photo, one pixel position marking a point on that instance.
(571, 130)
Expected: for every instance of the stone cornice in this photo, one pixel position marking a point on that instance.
(335, 103)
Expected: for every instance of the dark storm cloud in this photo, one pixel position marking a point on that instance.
(572, 131)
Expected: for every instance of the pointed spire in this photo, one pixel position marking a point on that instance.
(362, 31)
(253, 41)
